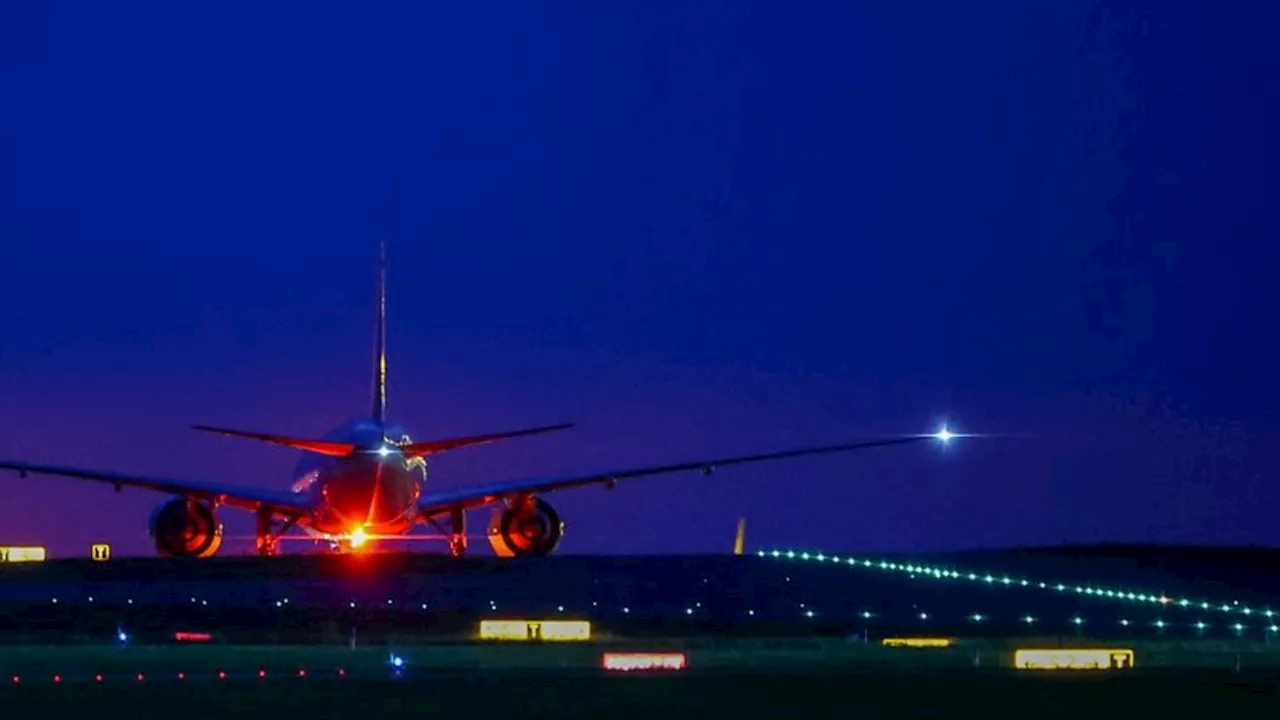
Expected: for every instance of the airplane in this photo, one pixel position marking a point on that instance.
(368, 481)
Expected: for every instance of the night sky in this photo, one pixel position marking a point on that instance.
(694, 228)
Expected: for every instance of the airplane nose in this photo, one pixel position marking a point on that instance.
(370, 494)
(392, 495)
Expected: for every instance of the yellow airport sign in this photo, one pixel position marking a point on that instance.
(526, 630)
(926, 642)
(1073, 659)
(100, 552)
(21, 554)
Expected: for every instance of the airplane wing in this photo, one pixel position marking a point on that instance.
(241, 497)
(437, 503)
(431, 447)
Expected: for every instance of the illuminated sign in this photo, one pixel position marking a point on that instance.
(630, 661)
(1073, 659)
(21, 554)
(918, 642)
(192, 637)
(504, 630)
(100, 552)
(553, 630)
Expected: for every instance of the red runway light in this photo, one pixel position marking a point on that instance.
(97, 678)
(57, 678)
(302, 673)
(341, 672)
(182, 676)
(141, 677)
(222, 675)
(17, 679)
(262, 673)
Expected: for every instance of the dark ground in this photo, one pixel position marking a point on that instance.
(592, 695)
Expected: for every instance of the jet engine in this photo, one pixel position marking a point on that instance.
(529, 527)
(185, 528)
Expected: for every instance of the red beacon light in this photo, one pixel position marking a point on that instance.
(222, 674)
(97, 678)
(262, 673)
(302, 673)
(141, 677)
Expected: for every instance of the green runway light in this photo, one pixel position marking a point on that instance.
(940, 573)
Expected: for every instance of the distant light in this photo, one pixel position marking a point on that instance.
(122, 636)
(384, 451)
(396, 661)
(944, 434)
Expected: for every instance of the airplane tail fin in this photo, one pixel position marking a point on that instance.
(431, 447)
(321, 447)
(380, 340)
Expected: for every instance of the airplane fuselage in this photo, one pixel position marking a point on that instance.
(374, 490)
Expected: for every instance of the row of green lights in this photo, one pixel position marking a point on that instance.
(946, 573)
(1124, 622)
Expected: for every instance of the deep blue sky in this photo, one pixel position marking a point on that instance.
(692, 227)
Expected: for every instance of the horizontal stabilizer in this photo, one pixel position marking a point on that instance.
(431, 447)
(321, 447)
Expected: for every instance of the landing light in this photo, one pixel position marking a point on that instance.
(358, 537)
(384, 451)
(944, 435)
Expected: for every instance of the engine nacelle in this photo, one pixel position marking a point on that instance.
(528, 528)
(185, 528)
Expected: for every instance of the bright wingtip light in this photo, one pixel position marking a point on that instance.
(944, 435)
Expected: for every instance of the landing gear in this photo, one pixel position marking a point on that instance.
(458, 538)
(457, 532)
(268, 535)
